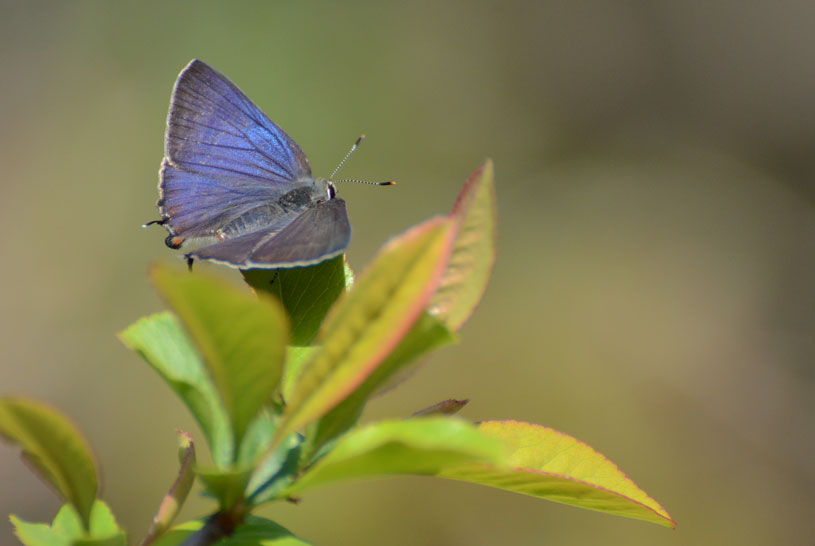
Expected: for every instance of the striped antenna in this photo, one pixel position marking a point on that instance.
(357, 181)
(344, 159)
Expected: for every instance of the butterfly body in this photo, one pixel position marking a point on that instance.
(237, 187)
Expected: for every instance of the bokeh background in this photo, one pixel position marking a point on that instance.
(653, 293)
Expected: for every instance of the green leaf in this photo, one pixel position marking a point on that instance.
(55, 448)
(423, 445)
(67, 529)
(161, 341)
(257, 439)
(242, 338)
(307, 293)
(103, 523)
(37, 534)
(228, 486)
(277, 472)
(68, 523)
(549, 464)
(255, 531)
(370, 321)
(468, 271)
(426, 335)
(296, 358)
(119, 539)
(175, 497)
(104, 529)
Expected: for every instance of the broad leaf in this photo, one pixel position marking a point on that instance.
(307, 293)
(161, 341)
(426, 335)
(549, 464)
(412, 446)
(242, 338)
(55, 448)
(175, 497)
(255, 531)
(370, 321)
(468, 270)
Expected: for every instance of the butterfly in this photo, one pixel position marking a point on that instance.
(236, 186)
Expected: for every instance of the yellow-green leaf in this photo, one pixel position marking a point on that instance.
(549, 464)
(242, 338)
(55, 448)
(425, 335)
(162, 342)
(423, 445)
(370, 321)
(465, 278)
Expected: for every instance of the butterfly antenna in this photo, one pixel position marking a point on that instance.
(344, 159)
(357, 181)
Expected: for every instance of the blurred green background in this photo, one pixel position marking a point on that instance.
(652, 294)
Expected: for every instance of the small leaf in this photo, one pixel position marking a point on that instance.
(465, 279)
(55, 448)
(445, 407)
(255, 531)
(242, 338)
(549, 464)
(175, 497)
(370, 321)
(68, 522)
(161, 341)
(426, 335)
(307, 293)
(37, 534)
(423, 445)
(104, 529)
(228, 486)
(103, 523)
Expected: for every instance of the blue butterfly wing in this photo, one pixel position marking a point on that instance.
(319, 233)
(223, 156)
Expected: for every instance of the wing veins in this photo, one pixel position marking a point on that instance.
(281, 145)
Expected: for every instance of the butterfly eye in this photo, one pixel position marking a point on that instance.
(331, 191)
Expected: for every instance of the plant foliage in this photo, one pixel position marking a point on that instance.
(277, 381)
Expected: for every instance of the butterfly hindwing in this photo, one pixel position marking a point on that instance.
(319, 233)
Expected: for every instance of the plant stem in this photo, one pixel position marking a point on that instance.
(219, 525)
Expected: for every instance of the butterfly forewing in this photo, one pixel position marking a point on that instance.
(213, 127)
